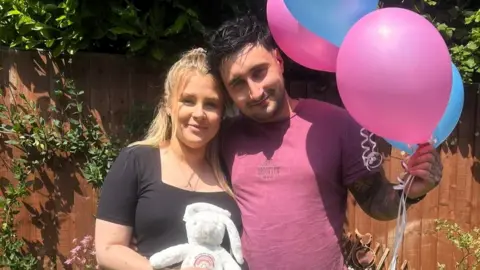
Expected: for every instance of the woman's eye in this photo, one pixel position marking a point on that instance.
(188, 102)
(211, 105)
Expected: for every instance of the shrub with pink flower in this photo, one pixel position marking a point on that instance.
(82, 255)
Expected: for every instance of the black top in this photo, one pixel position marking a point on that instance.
(134, 195)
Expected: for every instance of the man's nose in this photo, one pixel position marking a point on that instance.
(256, 90)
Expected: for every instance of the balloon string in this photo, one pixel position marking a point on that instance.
(402, 215)
(402, 208)
(402, 211)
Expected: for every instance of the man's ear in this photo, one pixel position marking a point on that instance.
(279, 58)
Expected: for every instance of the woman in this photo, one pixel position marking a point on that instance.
(152, 181)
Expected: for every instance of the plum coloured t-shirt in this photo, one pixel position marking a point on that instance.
(290, 179)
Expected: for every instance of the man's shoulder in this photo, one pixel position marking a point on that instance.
(318, 110)
(230, 130)
(233, 124)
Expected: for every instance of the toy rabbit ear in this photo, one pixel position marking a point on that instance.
(234, 237)
(195, 208)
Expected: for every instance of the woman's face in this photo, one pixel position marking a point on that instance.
(199, 111)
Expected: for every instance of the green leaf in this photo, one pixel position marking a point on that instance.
(58, 50)
(61, 18)
(158, 53)
(472, 46)
(123, 30)
(50, 7)
(49, 43)
(12, 142)
(470, 62)
(73, 121)
(23, 30)
(72, 51)
(177, 27)
(138, 44)
(13, 12)
(38, 26)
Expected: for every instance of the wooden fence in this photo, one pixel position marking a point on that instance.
(63, 207)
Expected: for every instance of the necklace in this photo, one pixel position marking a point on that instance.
(192, 178)
(186, 172)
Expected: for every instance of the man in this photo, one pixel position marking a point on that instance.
(293, 161)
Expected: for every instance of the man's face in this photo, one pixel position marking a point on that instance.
(254, 81)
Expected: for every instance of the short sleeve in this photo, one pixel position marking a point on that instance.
(119, 192)
(360, 153)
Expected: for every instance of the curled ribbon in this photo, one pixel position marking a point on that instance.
(371, 157)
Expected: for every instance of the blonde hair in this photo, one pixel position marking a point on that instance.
(163, 128)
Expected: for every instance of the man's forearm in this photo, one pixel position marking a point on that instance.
(384, 204)
(376, 196)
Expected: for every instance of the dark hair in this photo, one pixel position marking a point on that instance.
(233, 36)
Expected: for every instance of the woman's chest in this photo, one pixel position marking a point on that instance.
(161, 209)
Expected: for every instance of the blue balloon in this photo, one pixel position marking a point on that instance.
(450, 118)
(330, 19)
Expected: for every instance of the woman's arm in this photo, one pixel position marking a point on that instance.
(112, 248)
(116, 216)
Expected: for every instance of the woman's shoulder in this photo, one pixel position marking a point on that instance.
(138, 152)
(139, 149)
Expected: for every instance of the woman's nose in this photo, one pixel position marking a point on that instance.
(198, 111)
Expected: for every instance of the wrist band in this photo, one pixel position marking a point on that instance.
(412, 201)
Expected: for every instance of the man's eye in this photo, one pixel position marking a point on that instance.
(259, 74)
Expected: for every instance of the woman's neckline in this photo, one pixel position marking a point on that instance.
(159, 155)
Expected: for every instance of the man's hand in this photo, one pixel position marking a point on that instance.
(376, 196)
(426, 166)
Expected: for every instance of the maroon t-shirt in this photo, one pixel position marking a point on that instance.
(290, 179)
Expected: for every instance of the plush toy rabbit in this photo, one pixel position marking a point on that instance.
(206, 224)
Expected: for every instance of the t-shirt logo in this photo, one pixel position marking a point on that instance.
(204, 260)
(268, 170)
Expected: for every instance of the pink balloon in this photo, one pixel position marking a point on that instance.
(298, 43)
(394, 75)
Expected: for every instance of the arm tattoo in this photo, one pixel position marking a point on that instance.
(376, 196)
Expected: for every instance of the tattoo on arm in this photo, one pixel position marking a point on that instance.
(376, 196)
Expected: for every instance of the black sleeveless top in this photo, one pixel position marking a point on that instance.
(134, 195)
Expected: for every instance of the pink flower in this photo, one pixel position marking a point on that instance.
(75, 250)
(86, 240)
(83, 254)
